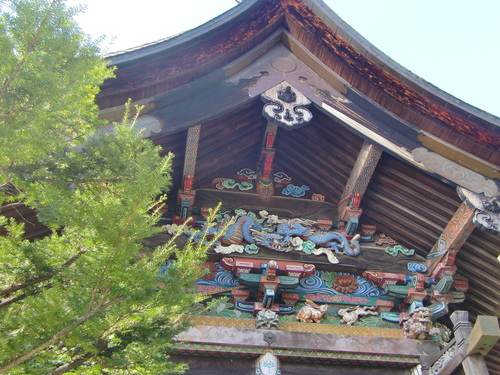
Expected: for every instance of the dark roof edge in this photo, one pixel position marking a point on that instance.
(148, 49)
(372, 53)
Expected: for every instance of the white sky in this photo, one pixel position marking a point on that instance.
(454, 44)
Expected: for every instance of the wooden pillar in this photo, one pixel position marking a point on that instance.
(441, 259)
(469, 347)
(186, 195)
(357, 183)
(265, 184)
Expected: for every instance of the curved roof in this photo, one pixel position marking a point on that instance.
(214, 75)
(367, 62)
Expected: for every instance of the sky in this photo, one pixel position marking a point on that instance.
(453, 44)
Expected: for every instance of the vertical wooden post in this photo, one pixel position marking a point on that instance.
(472, 364)
(187, 193)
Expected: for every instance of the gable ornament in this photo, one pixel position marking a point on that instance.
(286, 107)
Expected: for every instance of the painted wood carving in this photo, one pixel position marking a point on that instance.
(281, 235)
(353, 314)
(487, 210)
(286, 107)
(418, 324)
(441, 258)
(267, 319)
(312, 312)
(267, 364)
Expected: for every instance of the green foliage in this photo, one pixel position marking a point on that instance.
(79, 297)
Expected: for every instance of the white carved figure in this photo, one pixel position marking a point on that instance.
(351, 315)
(267, 319)
(312, 312)
(229, 249)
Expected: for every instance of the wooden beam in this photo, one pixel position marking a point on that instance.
(441, 258)
(469, 347)
(483, 336)
(361, 173)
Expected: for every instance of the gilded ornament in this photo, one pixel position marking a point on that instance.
(312, 312)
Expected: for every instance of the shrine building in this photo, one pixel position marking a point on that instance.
(365, 201)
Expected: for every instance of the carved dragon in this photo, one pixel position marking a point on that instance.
(330, 240)
(281, 235)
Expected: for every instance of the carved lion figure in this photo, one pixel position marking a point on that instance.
(418, 324)
(352, 314)
(312, 312)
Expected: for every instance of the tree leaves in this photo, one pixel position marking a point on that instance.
(79, 297)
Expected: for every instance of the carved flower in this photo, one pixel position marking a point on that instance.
(212, 270)
(345, 284)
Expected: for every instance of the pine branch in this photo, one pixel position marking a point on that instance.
(37, 280)
(14, 112)
(30, 48)
(100, 345)
(10, 301)
(73, 364)
(55, 337)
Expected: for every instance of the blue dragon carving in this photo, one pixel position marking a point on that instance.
(278, 235)
(332, 240)
(273, 241)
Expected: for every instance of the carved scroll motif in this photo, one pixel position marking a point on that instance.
(286, 107)
(487, 210)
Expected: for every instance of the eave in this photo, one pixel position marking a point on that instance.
(203, 51)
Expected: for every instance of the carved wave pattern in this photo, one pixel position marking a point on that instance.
(222, 278)
(315, 284)
(311, 284)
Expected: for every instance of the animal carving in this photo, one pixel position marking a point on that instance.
(279, 235)
(351, 315)
(418, 324)
(331, 240)
(312, 312)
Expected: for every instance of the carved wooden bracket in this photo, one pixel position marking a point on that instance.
(486, 210)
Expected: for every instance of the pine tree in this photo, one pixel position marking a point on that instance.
(80, 297)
